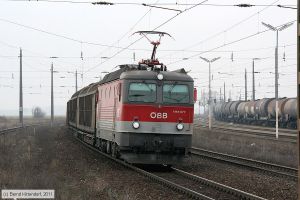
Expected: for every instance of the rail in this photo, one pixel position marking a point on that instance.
(288, 135)
(174, 186)
(221, 187)
(202, 123)
(7, 130)
(275, 169)
(12, 129)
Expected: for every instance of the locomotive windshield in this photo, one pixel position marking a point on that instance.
(142, 92)
(175, 93)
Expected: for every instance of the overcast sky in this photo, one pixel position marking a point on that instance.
(69, 30)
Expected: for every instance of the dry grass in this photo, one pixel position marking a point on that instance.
(52, 159)
(30, 162)
(8, 122)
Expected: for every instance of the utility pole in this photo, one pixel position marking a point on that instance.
(280, 28)
(220, 94)
(224, 93)
(203, 102)
(52, 109)
(199, 108)
(76, 81)
(209, 98)
(246, 85)
(133, 56)
(76, 78)
(253, 81)
(298, 88)
(21, 92)
(253, 78)
(204, 106)
(209, 93)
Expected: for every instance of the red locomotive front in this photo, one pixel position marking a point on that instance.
(147, 117)
(140, 113)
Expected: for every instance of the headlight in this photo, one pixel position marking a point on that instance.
(179, 126)
(136, 125)
(160, 77)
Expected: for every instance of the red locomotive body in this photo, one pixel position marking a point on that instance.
(142, 116)
(140, 113)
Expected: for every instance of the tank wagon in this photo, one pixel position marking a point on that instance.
(258, 112)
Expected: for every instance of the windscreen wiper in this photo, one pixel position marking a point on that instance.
(148, 86)
(172, 87)
(136, 95)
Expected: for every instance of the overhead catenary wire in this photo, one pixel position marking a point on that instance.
(129, 30)
(228, 50)
(244, 5)
(39, 55)
(149, 50)
(229, 43)
(162, 50)
(125, 48)
(170, 50)
(230, 27)
(58, 35)
(167, 21)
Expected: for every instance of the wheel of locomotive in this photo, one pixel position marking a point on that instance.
(75, 133)
(293, 125)
(115, 150)
(103, 145)
(80, 136)
(98, 143)
(169, 167)
(108, 147)
(289, 125)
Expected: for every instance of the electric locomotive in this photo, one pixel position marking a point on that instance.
(139, 113)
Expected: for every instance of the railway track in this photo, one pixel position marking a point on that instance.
(210, 188)
(257, 132)
(264, 128)
(185, 182)
(284, 134)
(203, 123)
(7, 130)
(278, 170)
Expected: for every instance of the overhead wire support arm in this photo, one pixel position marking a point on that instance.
(159, 26)
(159, 7)
(282, 6)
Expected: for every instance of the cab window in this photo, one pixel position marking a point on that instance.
(142, 92)
(175, 93)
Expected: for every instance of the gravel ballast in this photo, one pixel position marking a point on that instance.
(45, 158)
(264, 185)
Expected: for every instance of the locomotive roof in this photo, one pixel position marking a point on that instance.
(168, 75)
(130, 71)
